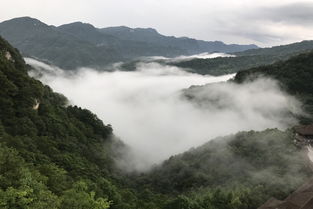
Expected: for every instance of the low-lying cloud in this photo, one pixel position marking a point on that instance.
(148, 111)
(204, 55)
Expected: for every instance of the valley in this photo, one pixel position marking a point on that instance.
(97, 117)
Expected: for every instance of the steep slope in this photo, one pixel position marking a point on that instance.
(52, 155)
(79, 45)
(246, 59)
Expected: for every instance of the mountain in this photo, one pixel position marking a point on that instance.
(89, 33)
(245, 60)
(51, 154)
(188, 45)
(37, 39)
(57, 156)
(82, 45)
(295, 75)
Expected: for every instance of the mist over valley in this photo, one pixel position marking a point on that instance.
(150, 111)
(156, 104)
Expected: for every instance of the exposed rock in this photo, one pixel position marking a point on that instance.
(8, 56)
(36, 105)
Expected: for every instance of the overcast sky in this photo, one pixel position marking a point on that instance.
(264, 22)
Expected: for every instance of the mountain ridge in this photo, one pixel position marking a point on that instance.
(80, 44)
(245, 60)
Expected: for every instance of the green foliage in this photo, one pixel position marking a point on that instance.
(22, 186)
(43, 151)
(79, 198)
(181, 202)
(58, 156)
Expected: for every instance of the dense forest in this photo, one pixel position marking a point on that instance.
(52, 155)
(55, 155)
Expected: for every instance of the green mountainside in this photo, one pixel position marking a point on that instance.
(54, 155)
(82, 45)
(245, 60)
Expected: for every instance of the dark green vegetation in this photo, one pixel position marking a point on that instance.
(56, 156)
(59, 156)
(52, 156)
(79, 45)
(245, 60)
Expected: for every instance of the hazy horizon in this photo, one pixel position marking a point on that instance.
(264, 23)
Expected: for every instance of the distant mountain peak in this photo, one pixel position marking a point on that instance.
(26, 20)
(128, 29)
(151, 30)
(78, 25)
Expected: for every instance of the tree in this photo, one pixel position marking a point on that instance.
(78, 197)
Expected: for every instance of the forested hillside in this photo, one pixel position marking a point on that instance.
(54, 155)
(245, 60)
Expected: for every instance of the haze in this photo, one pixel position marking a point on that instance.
(264, 23)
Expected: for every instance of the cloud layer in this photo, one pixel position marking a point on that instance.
(149, 113)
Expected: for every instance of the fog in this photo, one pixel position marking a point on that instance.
(149, 113)
(205, 55)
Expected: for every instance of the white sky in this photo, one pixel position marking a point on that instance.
(264, 22)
